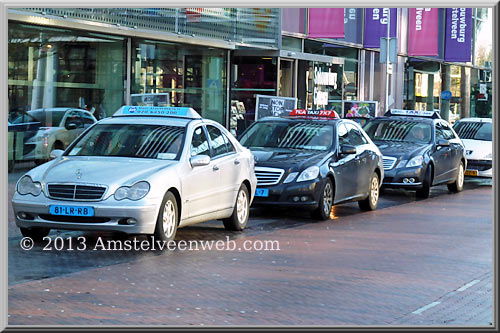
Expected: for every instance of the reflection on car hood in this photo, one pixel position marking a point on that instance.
(397, 149)
(477, 149)
(99, 170)
(285, 158)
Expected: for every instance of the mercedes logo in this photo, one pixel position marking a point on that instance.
(78, 174)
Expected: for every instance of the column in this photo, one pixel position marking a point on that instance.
(445, 85)
(465, 92)
(430, 92)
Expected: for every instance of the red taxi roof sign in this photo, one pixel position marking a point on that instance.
(314, 113)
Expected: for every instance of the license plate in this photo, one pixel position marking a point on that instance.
(71, 210)
(262, 192)
(471, 172)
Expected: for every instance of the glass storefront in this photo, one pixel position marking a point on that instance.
(250, 76)
(422, 85)
(186, 75)
(49, 67)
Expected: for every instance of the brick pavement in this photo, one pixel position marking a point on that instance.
(373, 268)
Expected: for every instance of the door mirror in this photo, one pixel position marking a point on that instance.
(443, 143)
(199, 160)
(71, 126)
(347, 150)
(56, 153)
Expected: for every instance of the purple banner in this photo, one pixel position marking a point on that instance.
(326, 22)
(376, 25)
(458, 34)
(423, 32)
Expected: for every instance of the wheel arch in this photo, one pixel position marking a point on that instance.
(177, 196)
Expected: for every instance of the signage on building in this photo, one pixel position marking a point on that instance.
(458, 34)
(325, 78)
(326, 22)
(446, 94)
(360, 109)
(423, 32)
(376, 20)
(267, 106)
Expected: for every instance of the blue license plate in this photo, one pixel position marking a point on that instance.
(262, 192)
(71, 210)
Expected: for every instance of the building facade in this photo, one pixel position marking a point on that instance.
(217, 60)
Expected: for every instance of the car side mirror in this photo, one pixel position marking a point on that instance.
(443, 143)
(347, 150)
(71, 126)
(199, 160)
(56, 153)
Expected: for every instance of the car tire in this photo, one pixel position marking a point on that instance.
(322, 213)
(371, 202)
(36, 234)
(239, 219)
(425, 191)
(458, 184)
(168, 218)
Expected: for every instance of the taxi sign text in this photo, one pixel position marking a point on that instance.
(155, 110)
(314, 113)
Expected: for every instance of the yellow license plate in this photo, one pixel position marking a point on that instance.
(471, 172)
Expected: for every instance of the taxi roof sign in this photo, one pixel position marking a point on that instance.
(412, 113)
(157, 111)
(314, 113)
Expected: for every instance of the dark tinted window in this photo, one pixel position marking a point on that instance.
(447, 132)
(399, 130)
(473, 130)
(343, 135)
(354, 135)
(199, 144)
(229, 144)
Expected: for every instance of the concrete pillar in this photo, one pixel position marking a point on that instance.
(445, 85)
(465, 92)
(430, 92)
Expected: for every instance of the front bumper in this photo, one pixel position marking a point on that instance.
(393, 178)
(109, 214)
(483, 168)
(284, 194)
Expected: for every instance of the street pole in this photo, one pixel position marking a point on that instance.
(387, 62)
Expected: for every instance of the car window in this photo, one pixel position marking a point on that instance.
(87, 119)
(447, 132)
(131, 140)
(199, 143)
(75, 118)
(439, 132)
(343, 135)
(48, 118)
(354, 135)
(473, 130)
(399, 130)
(289, 135)
(229, 144)
(217, 141)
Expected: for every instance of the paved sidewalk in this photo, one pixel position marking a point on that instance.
(373, 268)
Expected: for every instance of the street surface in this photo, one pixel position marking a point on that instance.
(410, 262)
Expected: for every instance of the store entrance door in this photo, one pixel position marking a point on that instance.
(286, 78)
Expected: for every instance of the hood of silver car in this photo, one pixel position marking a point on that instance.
(102, 170)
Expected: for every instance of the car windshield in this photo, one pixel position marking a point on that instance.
(399, 130)
(289, 135)
(48, 118)
(473, 130)
(131, 140)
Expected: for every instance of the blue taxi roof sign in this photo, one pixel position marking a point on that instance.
(157, 111)
(412, 113)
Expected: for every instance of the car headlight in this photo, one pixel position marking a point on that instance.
(291, 177)
(27, 186)
(134, 192)
(416, 161)
(308, 174)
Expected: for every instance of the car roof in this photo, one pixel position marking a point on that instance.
(408, 118)
(478, 120)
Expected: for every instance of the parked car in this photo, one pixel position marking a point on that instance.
(312, 159)
(476, 136)
(21, 128)
(146, 170)
(420, 150)
(58, 128)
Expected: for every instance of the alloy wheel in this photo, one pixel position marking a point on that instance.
(169, 219)
(242, 207)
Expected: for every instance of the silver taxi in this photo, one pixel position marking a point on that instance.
(146, 170)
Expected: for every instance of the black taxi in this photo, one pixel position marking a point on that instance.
(420, 150)
(312, 159)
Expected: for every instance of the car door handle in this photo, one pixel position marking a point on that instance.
(215, 168)
(236, 162)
